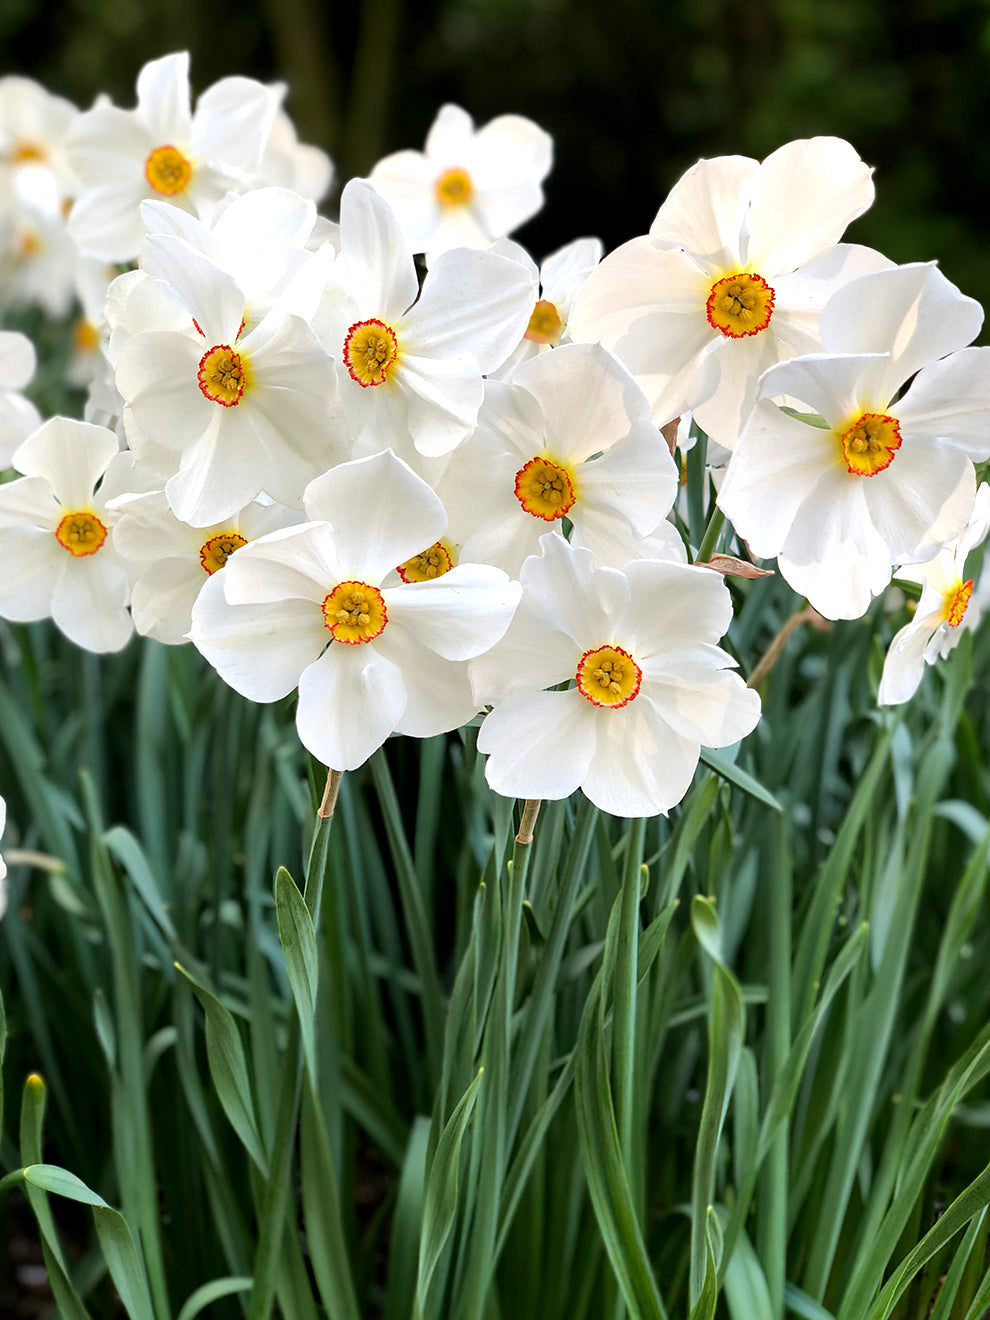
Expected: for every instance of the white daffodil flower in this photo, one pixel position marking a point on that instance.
(731, 278)
(412, 361)
(560, 278)
(18, 416)
(946, 603)
(170, 560)
(259, 238)
(56, 537)
(651, 687)
(34, 169)
(288, 163)
(469, 186)
(570, 436)
(884, 477)
(308, 607)
(162, 149)
(38, 261)
(246, 411)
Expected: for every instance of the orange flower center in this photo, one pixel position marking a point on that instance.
(545, 324)
(740, 305)
(81, 533)
(355, 612)
(222, 375)
(167, 170)
(956, 602)
(432, 563)
(545, 489)
(608, 676)
(215, 552)
(454, 188)
(370, 352)
(870, 443)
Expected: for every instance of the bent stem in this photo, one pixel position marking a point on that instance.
(773, 652)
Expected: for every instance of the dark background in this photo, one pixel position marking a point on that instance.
(632, 92)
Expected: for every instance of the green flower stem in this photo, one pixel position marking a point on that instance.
(773, 1200)
(414, 910)
(624, 997)
(709, 542)
(132, 1121)
(274, 1198)
(497, 1066)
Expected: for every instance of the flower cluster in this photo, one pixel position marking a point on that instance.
(418, 497)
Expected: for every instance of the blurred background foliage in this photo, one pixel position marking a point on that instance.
(632, 93)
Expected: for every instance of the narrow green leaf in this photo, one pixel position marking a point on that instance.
(804, 1306)
(128, 852)
(321, 1213)
(407, 1222)
(735, 775)
(67, 1299)
(704, 1307)
(298, 939)
(124, 1262)
(50, 1178)
(228, 1068)
(611, 1196)
(210, 1292)
(973, 1201)
(440, 1205)
(725, 1037)
(746, 1291)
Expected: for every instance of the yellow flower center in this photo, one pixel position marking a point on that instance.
(222, 375)
(167, 170)
(608, 676)
(545, 324)
(869, 443)
(85, 336)
(454, 188)
(740, 305)
(432, 563)
(23, 152)
(80, 533)
(29, 244)
(215, 552)
(545, 489)
(355, 612)
(370, 351)
(956, 602)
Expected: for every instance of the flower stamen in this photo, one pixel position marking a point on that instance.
(545, 489)
(608, 676)
(355, 612)
(454, 188)
(870, 443)
(215, 552)
(167, 170)
(740, 305)
(545, 323)
(370, 351)
(956, 602)
(432, 563)
(81, 533)
(222, 375)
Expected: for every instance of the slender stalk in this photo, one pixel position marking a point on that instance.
(275, 1197)
(139, 1179)
(624, 997)
(496, 1056)
(772, 1212)
(773, 652)
(420, 936)
(709, 542)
